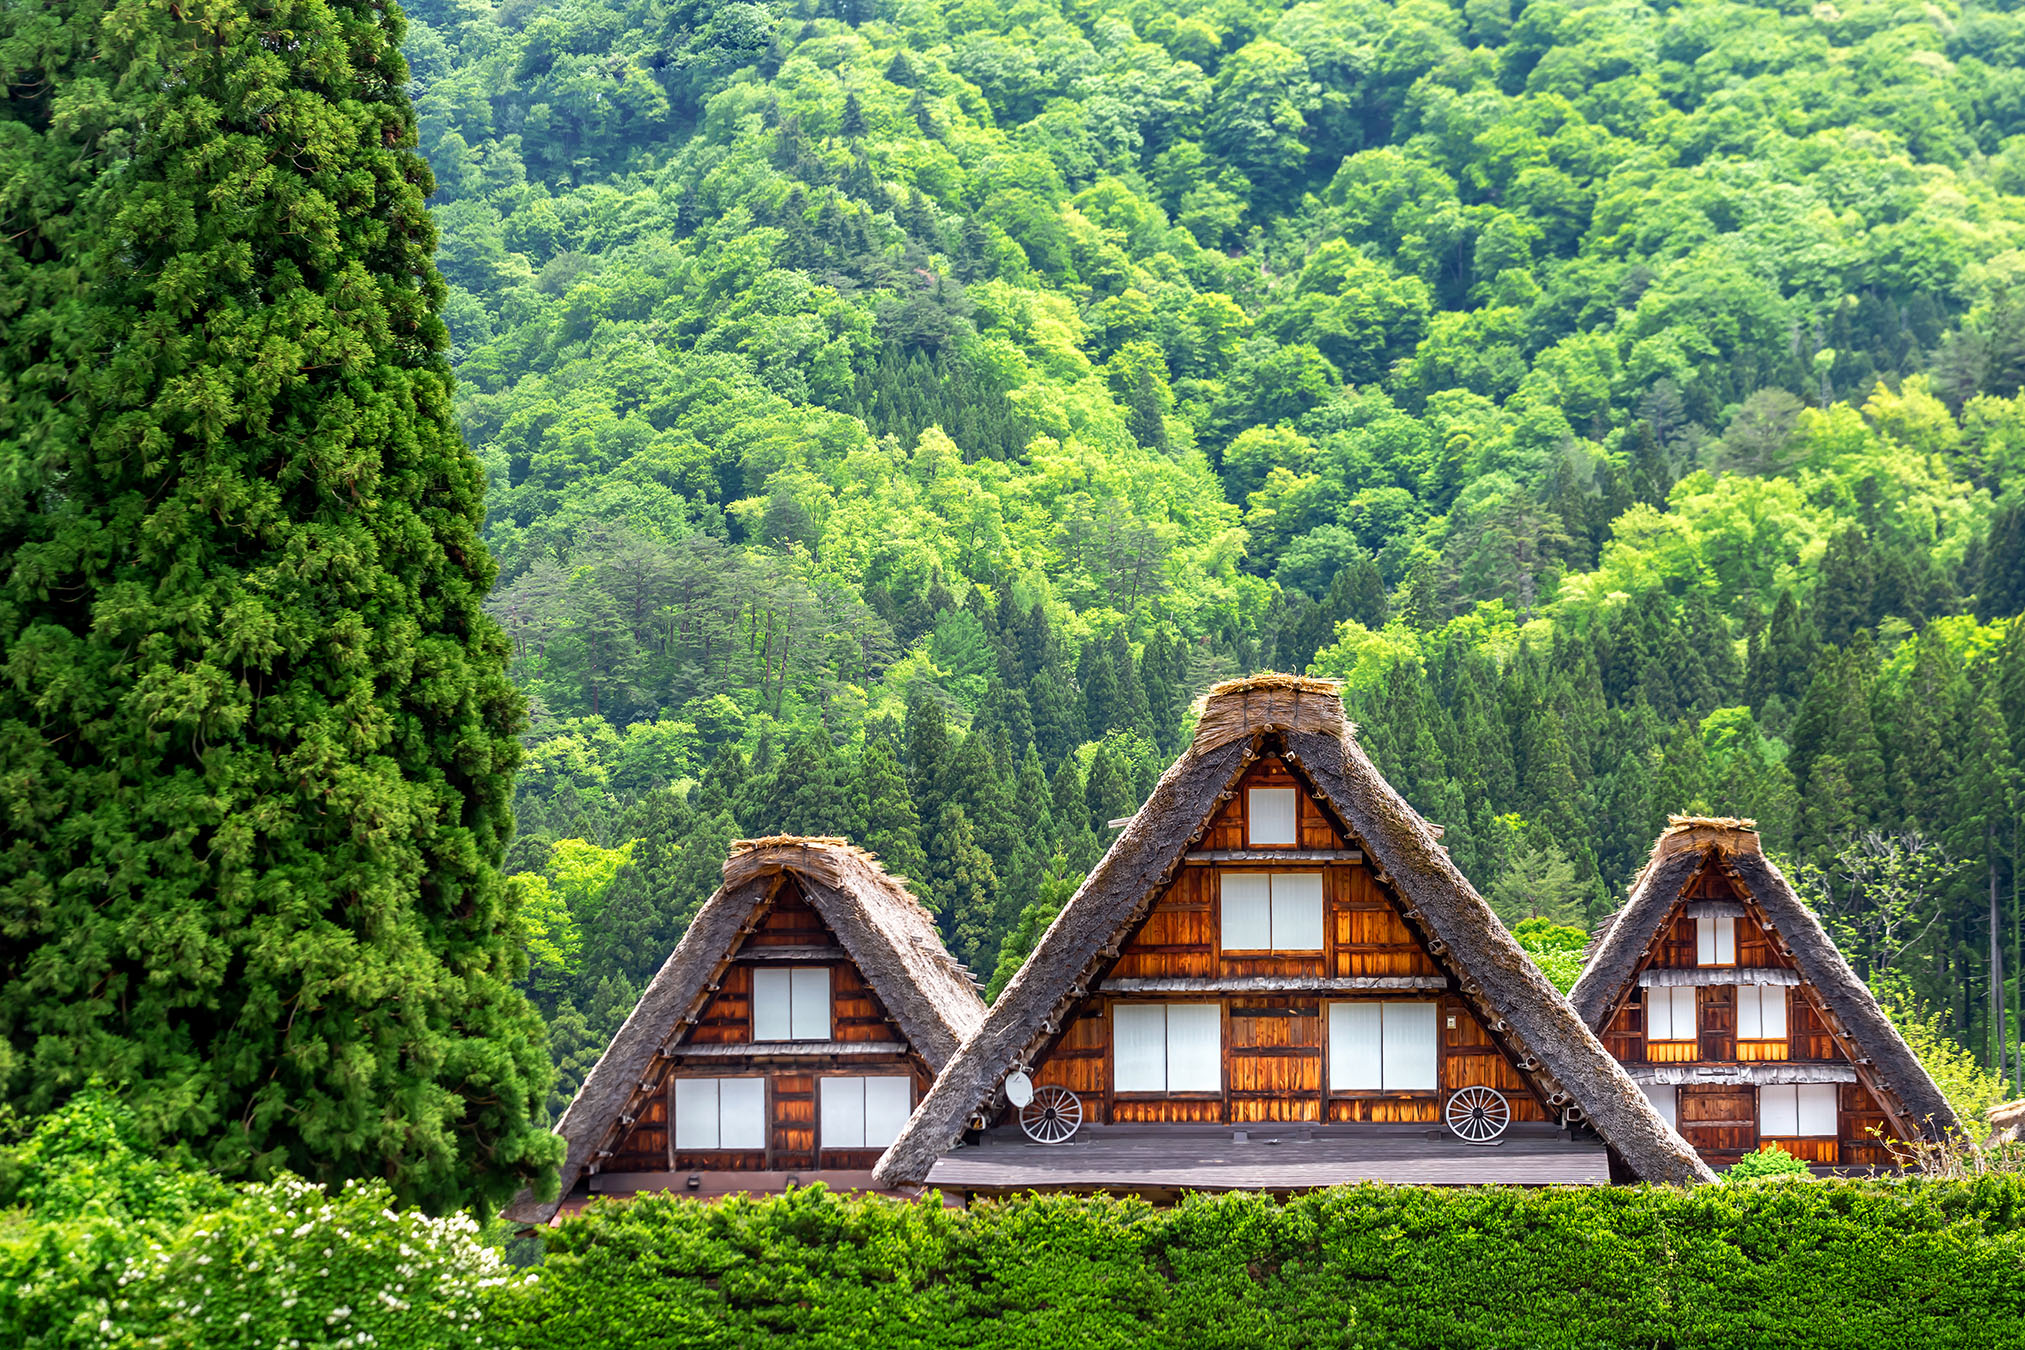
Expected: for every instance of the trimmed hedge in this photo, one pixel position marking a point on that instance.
(1859, 1264)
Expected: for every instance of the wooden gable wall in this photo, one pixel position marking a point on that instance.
(1722, 1121)
(789, 924)
(1275, 1044)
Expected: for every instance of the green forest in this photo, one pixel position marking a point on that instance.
(462, 466)
(894, 413)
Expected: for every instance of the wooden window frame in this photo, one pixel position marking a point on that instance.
(1322, 913)
(1218, 1093)
(790, 971)
(1251, 816)
(765, 1113)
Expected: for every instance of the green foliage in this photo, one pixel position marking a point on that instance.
(1766, 1164)
(1969, 1087)
(113, 1248)
(1869, 1263)
(257, 730)
(1556, 948)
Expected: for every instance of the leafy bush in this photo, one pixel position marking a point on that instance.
(1764, 1165)
(1872, 1264)
(286, 1264)
(111, 1248)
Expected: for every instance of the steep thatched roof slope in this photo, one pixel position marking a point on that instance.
(887, 934)
(1684, 848)
(1302, 720)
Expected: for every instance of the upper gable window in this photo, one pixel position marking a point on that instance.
(1716, 942)
(791, 1003)
(1271, 912)
(1269, 817)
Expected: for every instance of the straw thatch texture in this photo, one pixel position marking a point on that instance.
(886, 932)
(1691, 843)
(1238, 721)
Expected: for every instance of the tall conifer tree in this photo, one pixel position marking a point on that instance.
(257, 735)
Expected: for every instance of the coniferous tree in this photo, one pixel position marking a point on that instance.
(892, 827)
(256, 722)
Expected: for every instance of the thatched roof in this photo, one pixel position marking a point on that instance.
(1302, 721)
(1691, 843)
(885, 931)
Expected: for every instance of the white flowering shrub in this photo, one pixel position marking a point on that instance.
(287, 1266)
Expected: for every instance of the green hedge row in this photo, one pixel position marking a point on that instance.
(1859, 1264)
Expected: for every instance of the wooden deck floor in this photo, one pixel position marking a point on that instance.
(1157, 1158)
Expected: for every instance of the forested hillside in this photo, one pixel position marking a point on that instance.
(895, 412)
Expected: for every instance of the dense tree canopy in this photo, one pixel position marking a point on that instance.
(1624, 400)
(256, 729)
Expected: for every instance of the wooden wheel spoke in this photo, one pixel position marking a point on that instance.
(1478, 1115)
(1054, 1114)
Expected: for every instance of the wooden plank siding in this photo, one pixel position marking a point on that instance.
(1708, 1114)
(1275, 1053)
(856, 1015)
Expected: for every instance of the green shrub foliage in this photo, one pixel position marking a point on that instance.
(256, 730)
(1871, 1264)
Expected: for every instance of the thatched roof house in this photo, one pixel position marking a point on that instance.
(1348, 1019)
(807, 1008)
(1729, 1003)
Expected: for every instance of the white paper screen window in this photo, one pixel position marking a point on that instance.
(1816, 1108)
(1716, 942)
(1761, 1012)
(1167, 1047)
(1409, 1047)
(888, 1103)
(1139, 1047)
(1269, 814)
(695, 1113)
(1389, 1046)
(863, 1112)
(1297, 911)
(1665, 1099)
(720, 1113)
(791, 1004)
(1670, 1013)
(1247, 912)
(1356, 1055)
(741, 1113)
(1778, 1111)
(1797, 1110)
(1194, 1047)
(1281, 912)
(843, 1112)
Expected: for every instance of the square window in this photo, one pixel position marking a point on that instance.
(1382, 1046)
(1269, 817)
(1167, 1047)
(791, 1003)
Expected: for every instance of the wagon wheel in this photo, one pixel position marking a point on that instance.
(1478, 1114)
(1052, 1116)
